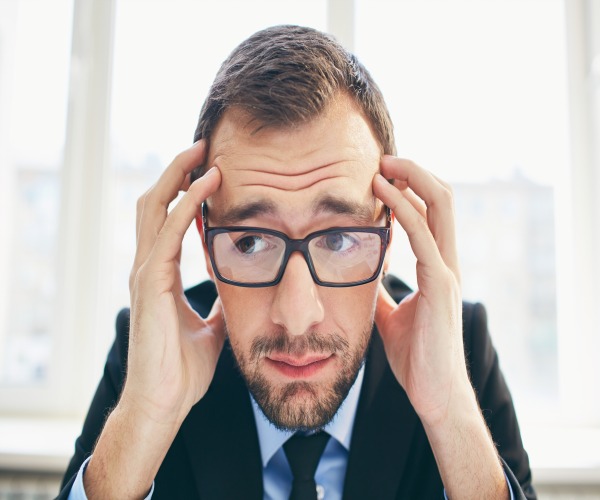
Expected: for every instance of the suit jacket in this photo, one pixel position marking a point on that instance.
(216, 453)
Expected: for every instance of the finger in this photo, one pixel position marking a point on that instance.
(410, 195)
(420, 237)
(168, 243)
(442, 182)
(438, 198)
(165, 186)
(139, 209)
(153, 205)
(186, 183)
(170, 182)
(421, 181)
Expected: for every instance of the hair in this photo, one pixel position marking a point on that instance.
(285, 76)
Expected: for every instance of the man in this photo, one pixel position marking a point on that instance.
(287, 184)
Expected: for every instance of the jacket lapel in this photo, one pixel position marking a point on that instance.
(382, 434)
(384, 426)
(221, 438)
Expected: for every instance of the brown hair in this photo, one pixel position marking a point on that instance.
(286, 75)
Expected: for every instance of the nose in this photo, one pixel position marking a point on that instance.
(297, 306)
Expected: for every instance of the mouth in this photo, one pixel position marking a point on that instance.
(299, 367)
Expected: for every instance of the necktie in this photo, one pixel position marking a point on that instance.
(303, 454)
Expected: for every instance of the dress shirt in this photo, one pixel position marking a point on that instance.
(331, 471)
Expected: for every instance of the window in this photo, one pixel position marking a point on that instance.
(482, 103)
(34, 64)
(494, 96)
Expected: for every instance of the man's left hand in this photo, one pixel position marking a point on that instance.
(423, 335)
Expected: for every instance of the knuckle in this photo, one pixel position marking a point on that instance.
(133, 278)
(179, 158)
(421, 223)
(395, 205)
(418, 225)
(151, 196)
(411, 164)
(446, 195)
(449, 284)
(137, 276)
(140, 202)
(448, 187)
(148, 197)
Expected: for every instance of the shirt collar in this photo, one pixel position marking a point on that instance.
(271, 439)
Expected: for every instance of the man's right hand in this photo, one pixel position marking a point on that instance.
(173, 352)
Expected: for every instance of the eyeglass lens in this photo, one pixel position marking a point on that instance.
(337, 256)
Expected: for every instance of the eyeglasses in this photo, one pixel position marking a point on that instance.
(257, 257)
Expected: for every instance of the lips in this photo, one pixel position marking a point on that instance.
(299, 367)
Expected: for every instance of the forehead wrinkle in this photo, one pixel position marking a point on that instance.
(292, 173)
(277, 170)
(280, 179)
(293, 189)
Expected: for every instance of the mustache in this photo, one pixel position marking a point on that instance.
(295, 346)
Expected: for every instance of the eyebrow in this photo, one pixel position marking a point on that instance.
(241, 212)
(327, 204)
(360, 213)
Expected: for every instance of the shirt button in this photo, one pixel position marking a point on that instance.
(320, 492)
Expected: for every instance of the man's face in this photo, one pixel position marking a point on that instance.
(298, 345)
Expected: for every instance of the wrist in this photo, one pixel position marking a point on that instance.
(150, 414)
(463, 448)
(459, 403)
(128, 455)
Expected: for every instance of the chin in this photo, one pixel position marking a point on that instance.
(301, 401)
(298, 405)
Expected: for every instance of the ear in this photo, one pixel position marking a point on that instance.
(200, 228)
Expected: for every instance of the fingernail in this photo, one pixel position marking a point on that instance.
(211, 171)
(380, 179)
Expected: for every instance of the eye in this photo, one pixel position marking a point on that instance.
(250, 244)
(338, 242)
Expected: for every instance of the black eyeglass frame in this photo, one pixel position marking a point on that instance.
(296, 245)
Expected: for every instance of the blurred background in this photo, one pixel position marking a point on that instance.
(499, 97)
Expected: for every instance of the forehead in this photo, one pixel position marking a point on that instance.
(334, 156)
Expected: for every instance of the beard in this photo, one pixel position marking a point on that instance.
(301, 405)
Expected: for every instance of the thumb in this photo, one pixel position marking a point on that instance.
(215, 320)
(385, 305)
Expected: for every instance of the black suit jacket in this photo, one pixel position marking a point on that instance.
(216, 453)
